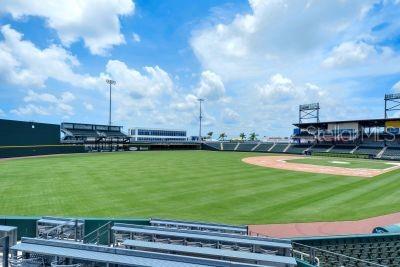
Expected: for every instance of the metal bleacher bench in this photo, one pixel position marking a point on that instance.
(200, 226)
(61, 228)
(204, 252)
(77, 252)
(205, 239)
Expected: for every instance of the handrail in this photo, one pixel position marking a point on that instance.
(303, 254)
(98, 232)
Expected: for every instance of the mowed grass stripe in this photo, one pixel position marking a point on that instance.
(200, 185)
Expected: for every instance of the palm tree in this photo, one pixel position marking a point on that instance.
(209, 135)
(222, 136)
(253, 136)
(242, 136)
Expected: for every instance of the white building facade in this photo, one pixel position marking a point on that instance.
(152, 134)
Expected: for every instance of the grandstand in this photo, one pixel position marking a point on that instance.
(92, 133)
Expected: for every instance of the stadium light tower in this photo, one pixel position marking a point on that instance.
(110, 82)
(200, 116)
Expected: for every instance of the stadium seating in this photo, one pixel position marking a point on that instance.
(78, 131)
(271, 246)
(342, 148)
(321, 147)
(297, 149)
(263, 147)
(381, 249)
(229, 146)
(279, 147)
(391, 153)
(212, 145)
(41, 252)
(246, 146)
(369, 150)
(199, 226)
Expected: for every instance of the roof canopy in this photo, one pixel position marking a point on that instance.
(363, 123)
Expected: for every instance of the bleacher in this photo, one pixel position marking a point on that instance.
(42, 252)
(122, 232)
(297, 148)
(229, 146)
(361, 250)
(246, 146)
(199, 226)
(165, 243)
(279, 147)
(320, 147)
(60, 228)
(93, 132)
(391, 153)
(369, 150)
(205, 252)
(213, 145)
(263, 147)
(342, 148)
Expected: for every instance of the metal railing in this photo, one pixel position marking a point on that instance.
(99, 235)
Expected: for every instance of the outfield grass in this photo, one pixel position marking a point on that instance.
(353, 163)
(196, 185)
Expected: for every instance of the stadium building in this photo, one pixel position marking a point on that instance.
(152, 134)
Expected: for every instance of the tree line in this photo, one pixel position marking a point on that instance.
(223, 136)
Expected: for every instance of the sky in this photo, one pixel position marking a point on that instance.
(252, 61)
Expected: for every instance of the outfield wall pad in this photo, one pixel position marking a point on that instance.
(25, 151)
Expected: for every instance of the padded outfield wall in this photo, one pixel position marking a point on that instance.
(23, 138)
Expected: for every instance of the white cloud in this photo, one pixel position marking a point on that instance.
(396, 87)
(189, 103)
(30, 109)
(280, 89)
(137, 93)
(274, 35)
(153, 82)
(88, 106)
(46, 104)
(136, 38)
(22, 63)
(96, 22)
(210, 87)
(348, 54)
(2, 113)
(230, 116)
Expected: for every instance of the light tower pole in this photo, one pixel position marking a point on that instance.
(110, 82)
(200, 117)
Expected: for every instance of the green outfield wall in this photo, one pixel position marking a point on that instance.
(25, 133)
(26, 151)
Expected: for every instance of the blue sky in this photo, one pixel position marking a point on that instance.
(253, 61)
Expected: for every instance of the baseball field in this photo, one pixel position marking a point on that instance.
(193, 185)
